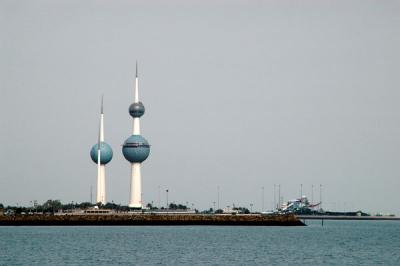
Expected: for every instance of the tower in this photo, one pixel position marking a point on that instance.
(136, 149)
(101, 154)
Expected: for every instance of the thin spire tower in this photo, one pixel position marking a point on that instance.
(101, 153)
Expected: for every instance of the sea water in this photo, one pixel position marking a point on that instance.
(335, 243)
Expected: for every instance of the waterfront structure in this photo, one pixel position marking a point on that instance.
(101, 154)
(136, 149)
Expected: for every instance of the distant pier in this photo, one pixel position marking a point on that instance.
(151, 219)
(343, 217)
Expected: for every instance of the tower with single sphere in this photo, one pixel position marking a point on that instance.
(136, 149)
(101, 154)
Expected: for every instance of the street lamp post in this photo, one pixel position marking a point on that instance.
(301, 191)
(218, 196)
(279, 197)
(275, 197)
(159, 198)
(167, 199)
(262, 198)
(312, 194)
(320, 197)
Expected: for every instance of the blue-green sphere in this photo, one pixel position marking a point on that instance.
(136, 109)
(106, 153)
(136, 149)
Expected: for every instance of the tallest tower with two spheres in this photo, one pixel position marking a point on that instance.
(136, 149)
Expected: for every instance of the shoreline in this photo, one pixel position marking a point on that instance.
(150, 219)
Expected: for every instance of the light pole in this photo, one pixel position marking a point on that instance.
(262, 198)
(320, 197)
(301, 191)
(218, 196)
(312, 194)
(279, 196)
(251, 207)
(275, 196)
(159, 198)
(167, 199)
(214, 205)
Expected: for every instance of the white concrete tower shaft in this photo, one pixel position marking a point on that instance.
(136, 121)
(135, 199)
(101, 169)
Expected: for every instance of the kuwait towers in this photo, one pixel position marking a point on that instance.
(136, 149)
(101, 154)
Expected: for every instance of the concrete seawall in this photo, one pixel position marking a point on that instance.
(151, 219)
(349, 218)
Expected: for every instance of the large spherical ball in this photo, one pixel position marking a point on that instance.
(136, 149)
(136, 109)
(106, 153)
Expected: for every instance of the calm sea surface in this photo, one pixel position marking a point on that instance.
(337, 243)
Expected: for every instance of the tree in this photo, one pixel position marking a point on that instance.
(52, 205)
(111, 205)
(174, 206)
(84, 205)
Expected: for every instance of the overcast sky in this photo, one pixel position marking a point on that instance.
(238, 94)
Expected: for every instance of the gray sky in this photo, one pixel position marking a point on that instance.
(238, 94)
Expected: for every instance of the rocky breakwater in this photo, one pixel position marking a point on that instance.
(152, 219)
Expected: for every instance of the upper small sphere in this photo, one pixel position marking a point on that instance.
(136, 149)
(106, 153)
(136, 109)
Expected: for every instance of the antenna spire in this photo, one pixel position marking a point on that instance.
(136, 99)
(136, 69)
(101, 109)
